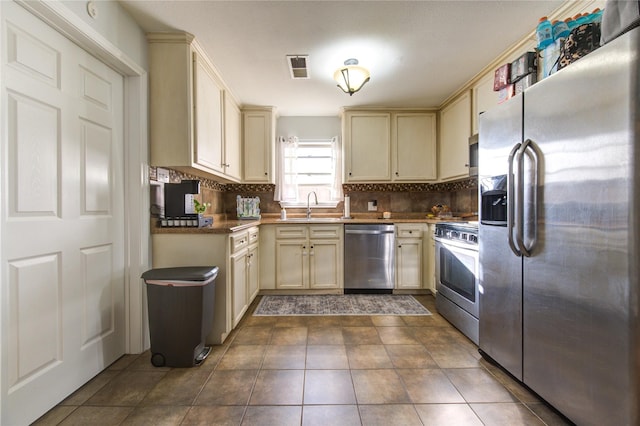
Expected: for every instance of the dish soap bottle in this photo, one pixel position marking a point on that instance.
(283, 214)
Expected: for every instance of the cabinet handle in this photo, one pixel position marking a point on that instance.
(349, 173)
(400, 246)
(397, 174)
(266, 174)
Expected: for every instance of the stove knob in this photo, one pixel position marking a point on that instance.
(473, 238)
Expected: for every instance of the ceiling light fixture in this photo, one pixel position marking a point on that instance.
(351, 77)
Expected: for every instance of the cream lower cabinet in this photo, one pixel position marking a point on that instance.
(235, 255)
(430, 259)
(308, 257)
(244, 265)
(409, 256)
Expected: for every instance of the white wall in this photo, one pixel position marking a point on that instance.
(309, 127)
(114, 24)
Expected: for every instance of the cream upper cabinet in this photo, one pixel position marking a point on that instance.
(453, 147)
(484, 98)
(258, 141)
(414, 140)
(389, 146)
(187, 109)
(233, 139)
(208, 97)
(367, 146)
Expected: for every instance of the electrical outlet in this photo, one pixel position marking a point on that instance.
(162, 175)
(372, 206)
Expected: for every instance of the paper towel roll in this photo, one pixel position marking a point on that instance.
(347, 206)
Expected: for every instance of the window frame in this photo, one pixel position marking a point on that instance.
(335, 156)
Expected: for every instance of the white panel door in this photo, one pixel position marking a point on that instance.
(62, 217)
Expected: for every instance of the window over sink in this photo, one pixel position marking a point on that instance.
(306, 165)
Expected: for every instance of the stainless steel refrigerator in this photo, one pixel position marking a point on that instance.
(559, 234)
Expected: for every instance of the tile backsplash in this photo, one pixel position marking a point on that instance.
(461, 195)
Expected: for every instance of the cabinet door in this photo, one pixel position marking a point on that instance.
(232, 139)
(455, 129)
(484, 98)
(409, 263)
(253, 279)
(258, 146)
(367, 147)
(292, 262)
(208, 96)
(170, 101)
(325, 264)
(415, 147)
(430, 262)
(239, 299)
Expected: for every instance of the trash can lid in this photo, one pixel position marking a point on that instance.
(182, 273)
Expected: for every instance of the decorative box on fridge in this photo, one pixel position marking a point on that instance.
(502, 77)
(523, 66)
(505, 93)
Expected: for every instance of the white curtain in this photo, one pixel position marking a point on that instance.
(336, 191)
(286, 186)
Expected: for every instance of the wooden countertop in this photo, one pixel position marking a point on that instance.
(221, 225)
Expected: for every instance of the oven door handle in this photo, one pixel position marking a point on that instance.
(511, 202)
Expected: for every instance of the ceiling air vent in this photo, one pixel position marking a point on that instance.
(298, 66)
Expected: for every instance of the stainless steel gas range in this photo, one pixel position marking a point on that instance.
(457, 270)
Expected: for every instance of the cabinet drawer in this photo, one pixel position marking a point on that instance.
(238, 241)
(409, 230)
(325, 231)
(254, 235)
(294, 231)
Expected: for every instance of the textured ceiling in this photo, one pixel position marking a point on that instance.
(418, 52)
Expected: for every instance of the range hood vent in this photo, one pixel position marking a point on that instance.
(298, 66)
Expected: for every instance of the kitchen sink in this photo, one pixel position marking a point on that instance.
(311, 220)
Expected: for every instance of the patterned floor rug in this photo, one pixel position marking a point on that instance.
(340, 304)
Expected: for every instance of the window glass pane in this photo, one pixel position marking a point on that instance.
(315, 165)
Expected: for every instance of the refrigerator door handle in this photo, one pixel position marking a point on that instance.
(529, 146)
(511, 201)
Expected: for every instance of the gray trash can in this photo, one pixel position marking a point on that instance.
(180, 304)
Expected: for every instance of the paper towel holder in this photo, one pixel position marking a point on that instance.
(347, 208)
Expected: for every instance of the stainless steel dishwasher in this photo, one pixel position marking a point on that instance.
(369, 258)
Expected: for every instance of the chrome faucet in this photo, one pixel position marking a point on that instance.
(308, 205)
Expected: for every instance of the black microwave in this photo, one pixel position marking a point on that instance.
(473, 155)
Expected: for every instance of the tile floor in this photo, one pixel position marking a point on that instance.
(360, 370)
